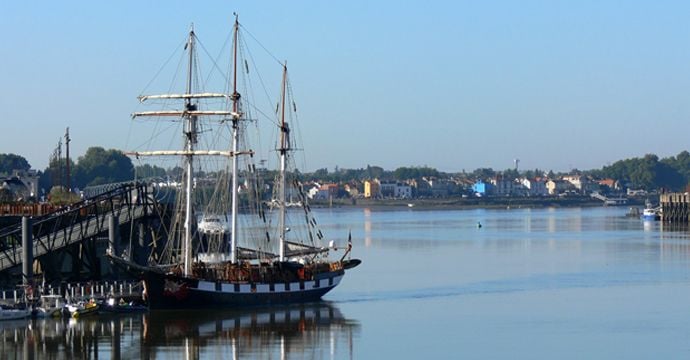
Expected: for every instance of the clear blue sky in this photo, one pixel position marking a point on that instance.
(449, 84)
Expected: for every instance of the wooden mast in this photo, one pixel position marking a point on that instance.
(190, 139)
(284, 147)
(235, 138)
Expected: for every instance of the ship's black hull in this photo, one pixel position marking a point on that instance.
(167, 291)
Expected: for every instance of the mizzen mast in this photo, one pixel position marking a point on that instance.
(284, 148)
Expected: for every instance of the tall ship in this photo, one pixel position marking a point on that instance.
(265, 254)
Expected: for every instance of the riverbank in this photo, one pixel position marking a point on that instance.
(469, 203)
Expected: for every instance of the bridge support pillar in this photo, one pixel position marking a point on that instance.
(114, 234)
(114, 240)
(27, 252)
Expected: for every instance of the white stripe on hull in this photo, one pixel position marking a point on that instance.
(266, 288)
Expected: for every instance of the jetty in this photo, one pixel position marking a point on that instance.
(675, 207)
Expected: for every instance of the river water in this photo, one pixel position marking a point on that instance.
(530, 283)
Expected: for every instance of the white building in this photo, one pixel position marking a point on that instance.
(535, 187)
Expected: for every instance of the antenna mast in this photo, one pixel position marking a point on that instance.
(69, 177)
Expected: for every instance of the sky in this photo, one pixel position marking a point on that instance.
(455, 85)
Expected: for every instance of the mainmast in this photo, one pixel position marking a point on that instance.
(190, 141)
(235, 138)
(284, 148)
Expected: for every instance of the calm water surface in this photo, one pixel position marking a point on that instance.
(547, 283)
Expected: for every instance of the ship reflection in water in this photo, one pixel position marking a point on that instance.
(316, 330)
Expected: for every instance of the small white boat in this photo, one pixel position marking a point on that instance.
(650, 214)
(214, 224)
(14, 314)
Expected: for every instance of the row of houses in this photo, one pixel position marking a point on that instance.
(570, 184)
(435, 187)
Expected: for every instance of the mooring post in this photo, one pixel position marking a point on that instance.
(27, 253)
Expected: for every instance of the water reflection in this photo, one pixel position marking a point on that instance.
(317, 330)
(367, 227)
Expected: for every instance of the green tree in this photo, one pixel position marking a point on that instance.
(681, 163)
(404, 173)
(148, 171)
(175, 172)
(647, 173)
(100, 166)
(531, 174)
(56, 174)
(321, 174)
(510, 174)
(60, 196)
(483, 173)
(11, 162)
(374, 172)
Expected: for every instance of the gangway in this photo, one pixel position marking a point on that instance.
(78, 222)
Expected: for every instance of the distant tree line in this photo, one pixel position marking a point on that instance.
(101, 166)
(650, 173)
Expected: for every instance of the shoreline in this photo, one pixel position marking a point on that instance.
(468, 203)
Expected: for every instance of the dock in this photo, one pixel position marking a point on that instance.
(79, 291)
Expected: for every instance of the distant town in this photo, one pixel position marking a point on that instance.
(63, 181)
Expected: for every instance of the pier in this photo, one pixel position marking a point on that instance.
(82, 291)
(675, 207)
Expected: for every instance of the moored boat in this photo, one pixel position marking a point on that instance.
(13, 314)
(651, 213)
(83, 309)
